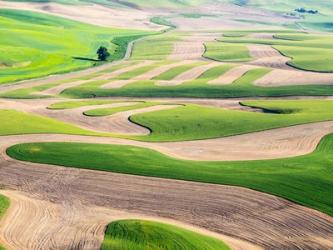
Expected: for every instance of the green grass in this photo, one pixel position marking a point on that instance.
(175, 71)
(37, 44)
(215, 72)
(200, 88)
(17, 123)
(142, 235)
(229, 52)
(192, 122)
(4, 205)
(307, 180)
(307, 51)
(111, 111)
(157, 47)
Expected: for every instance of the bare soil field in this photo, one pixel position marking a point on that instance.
(71, 231)
(192, 47)
(280, 77)
(267, 56)
(237, 212)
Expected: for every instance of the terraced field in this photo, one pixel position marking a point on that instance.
(209, 126)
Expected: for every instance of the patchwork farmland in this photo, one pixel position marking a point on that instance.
(171, 125)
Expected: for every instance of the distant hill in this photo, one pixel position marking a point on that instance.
(287, 5)
(317, 15)
(276, 5)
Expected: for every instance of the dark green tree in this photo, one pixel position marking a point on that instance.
(103, 53)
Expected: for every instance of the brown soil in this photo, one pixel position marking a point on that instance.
(67, 214)
(279, 77)
(232, 75)
(267, 56)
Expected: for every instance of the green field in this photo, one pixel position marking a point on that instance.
(186, 122)
(37, 45)
(163, 46)
(307, 51)
(307, 180)
(193, 122)
(228, 52)
(4, 205)
(17, 123)
(200, 88)
(142, 235)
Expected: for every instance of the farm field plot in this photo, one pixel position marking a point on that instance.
(314, 168)
(167, 125)
(4, 204)
(138, 234)
(38, 45)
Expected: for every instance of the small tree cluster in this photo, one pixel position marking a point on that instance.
(103, 53)
(303, 10)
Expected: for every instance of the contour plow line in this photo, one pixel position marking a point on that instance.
(72, 225)
(191, 47)
(123, 70)
(143, 77)
(121, 124)
(269, 144)
(232, 75)
(260, 220)
(267, 56)
(281, 77)
(189, 75)
(118, 123)
(57, 90)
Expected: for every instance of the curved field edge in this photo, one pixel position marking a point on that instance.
(200, 88)
(140, 235)
(32, 48)
(306, 180)
(195, 122)
(16, 123)
(183, 123)
(4, 205)
(308, 52)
